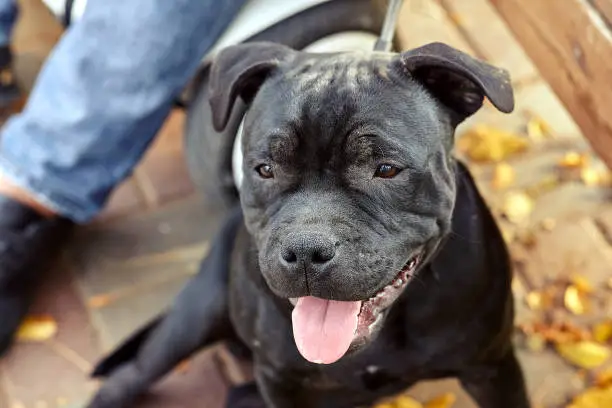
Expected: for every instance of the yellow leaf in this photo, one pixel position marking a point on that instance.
(602, 332)
(404, 401)
(37, 328)
(100, 301)
(487, 144)
(534, 300)
(582, 283)
(595, 177)
(517, 206)
(574, 160)
(604, 378)
(503, 176)
(538, 129)
(546, 184)
(593, 398)
(443, 401)
(574, 300)
(584, 354)
(591, 177)
(401, 401)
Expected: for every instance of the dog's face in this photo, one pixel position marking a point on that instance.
(348, 180)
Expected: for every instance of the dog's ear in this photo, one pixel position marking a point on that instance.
(458, 80)
(240, 70)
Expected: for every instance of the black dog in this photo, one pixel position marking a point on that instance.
(368, 260)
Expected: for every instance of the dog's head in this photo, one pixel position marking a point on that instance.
(348, 180)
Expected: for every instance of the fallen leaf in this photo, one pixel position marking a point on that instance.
(574, 300)
(604, 378)
(546, 184)
(593, 398)
(503, 176)
(584, 354)
(556, 332)
(100, 301)
(540, 299)
(401, 401)
(538, 129)
(488, 144)
(517, 206)
(590, 177)
(37, 328)
(582, 283)
(404, 401)
(574, 160)
(565, 332)
(593, 177)
(534, 300)
(443, 401)
(602, 332)
(183, 367)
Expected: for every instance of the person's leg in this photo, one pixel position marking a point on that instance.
(8, 87)
(102, 96)
(100, 99)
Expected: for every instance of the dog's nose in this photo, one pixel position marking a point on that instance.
(307, 250)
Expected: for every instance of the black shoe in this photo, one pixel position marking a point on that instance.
(28, 246)
(9, 91)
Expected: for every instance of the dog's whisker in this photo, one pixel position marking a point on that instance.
(415, 277)
(471, 241)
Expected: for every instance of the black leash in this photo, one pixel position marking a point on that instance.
(67, 13)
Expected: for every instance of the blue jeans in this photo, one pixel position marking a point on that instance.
(103, 94)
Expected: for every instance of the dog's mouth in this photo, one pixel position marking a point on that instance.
(325, 329)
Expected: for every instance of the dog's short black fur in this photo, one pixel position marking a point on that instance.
(348, 180)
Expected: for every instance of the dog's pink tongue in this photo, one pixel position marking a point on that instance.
(324, 329)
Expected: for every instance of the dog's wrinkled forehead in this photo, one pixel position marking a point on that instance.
(336, 83)
(329, 97)
(323, 84)
(349, 70)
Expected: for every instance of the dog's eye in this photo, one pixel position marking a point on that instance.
(264, 171)
(386, 171)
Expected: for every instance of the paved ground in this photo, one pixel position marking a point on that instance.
(128, 265)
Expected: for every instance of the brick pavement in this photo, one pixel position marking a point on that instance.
(128, 265)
